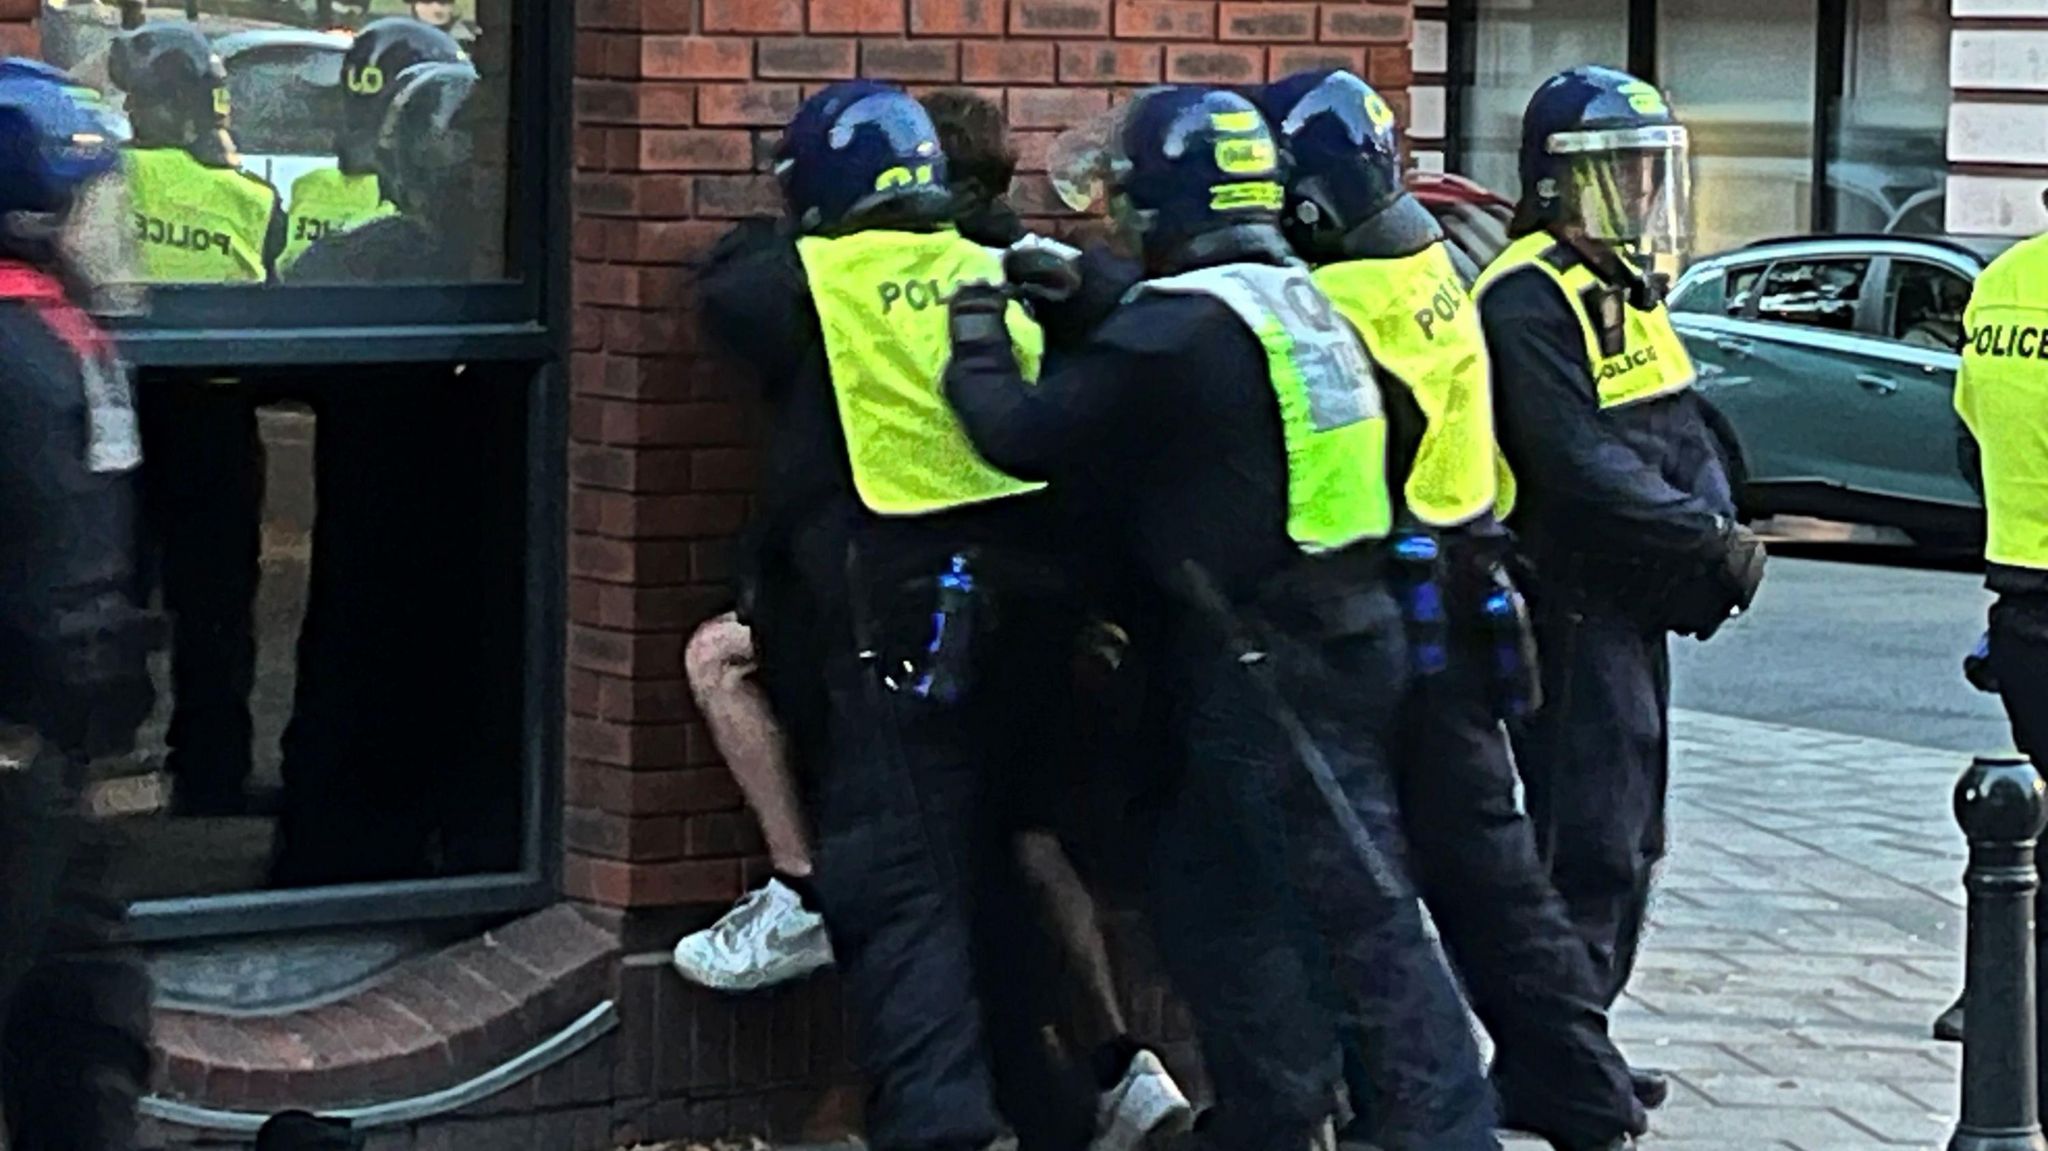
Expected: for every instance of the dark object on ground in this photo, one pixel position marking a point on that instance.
(1949, 1026)
(1653, 1088)
(299, 1131)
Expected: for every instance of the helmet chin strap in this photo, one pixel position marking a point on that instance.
(1645, 290)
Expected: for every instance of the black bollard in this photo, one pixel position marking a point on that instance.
(2000, 805)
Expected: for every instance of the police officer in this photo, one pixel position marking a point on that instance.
(2002, 396)
(425, 157)
(1383, 261)
(201, 220)
(1623, 503)
(1231, 425)
(913, 555)
(331, 200)
(74, 680)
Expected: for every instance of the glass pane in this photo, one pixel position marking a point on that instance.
(1742, 283)
(1518, 44)
(1924, 306)
(340, 691)
(1887, 164)
(1703, 295)
(1740, 73)
(253, 159)
(1813, 293)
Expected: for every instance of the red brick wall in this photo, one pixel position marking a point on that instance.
(17, 27)
(676, 104)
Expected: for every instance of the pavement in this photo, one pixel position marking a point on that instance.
(1807, 930)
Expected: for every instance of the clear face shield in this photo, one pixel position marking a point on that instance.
(100, 249)
(1631, 188)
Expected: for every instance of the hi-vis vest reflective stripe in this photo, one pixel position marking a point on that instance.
(2002, 394)
(1331, 410)
(327, 202)
(881, 299)
(198, 225)
(1420, 323)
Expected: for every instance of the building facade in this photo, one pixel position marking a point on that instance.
(436, 526)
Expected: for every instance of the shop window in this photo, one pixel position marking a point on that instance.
(1924, 305)
(1515, 46)
(1812, 293)
(256, 158)
(1741, 76)
(341, 686)
(1887, 157)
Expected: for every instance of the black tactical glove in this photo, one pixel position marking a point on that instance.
(979, 315)
(1735, 570)
(1041, 274)
(1977, 666)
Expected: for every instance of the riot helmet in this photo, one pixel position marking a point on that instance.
(1176, 166)
(177, 88)
(862, 155)
(1344, 170)
(426, 145)
(63, 198)
(1603, 153)
(370, 78)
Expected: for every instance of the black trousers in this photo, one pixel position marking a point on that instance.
(945, 964)
(203, 489)
(2019, 658)
(1243, 828)
(1525, 968)
(1595, 767)
(74, 1044)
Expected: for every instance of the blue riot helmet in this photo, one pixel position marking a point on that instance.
(63, 197)
(1173, 166)
(1603, 152)
(1344, 171)
(862, 155)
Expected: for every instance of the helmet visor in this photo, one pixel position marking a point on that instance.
(1084, 160)
(901, 122)
(1631, 187)
(98, 244)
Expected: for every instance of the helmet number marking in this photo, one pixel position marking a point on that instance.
(1246, 157)
(904, 177)
(367, 80)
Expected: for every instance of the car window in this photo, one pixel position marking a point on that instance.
(1703, 294)
(1924, 305)
(1740, 290)
(1818, 293)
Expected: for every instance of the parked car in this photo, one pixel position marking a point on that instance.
(1474, 219)
(1833, 361)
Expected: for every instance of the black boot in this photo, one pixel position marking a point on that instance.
(1653, 1088)
(1949, 1026)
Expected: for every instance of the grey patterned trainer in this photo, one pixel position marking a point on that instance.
(768, 937)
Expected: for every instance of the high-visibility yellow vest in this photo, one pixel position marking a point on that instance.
(197, 224)
(327, 202)
(1651, 360)
(882, 301)
(1420, 323)
(1331, 411)
(2002, 394)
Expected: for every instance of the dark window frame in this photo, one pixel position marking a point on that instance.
(1885, 310)
(526, 322)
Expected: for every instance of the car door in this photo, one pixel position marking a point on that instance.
(1905, 368)
(1772, 364)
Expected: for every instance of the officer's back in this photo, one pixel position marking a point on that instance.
(199, 219)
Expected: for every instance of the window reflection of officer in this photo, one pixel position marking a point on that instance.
(329, 201)
(365, 789)
(2002, 395)
(202, 221)
(1623, 500)
(872, 493)
(1238, 492)
(425, 159)
(1383, 260)
(74, 677)
(199, 221)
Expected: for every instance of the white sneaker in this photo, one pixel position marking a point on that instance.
(768, 937)
(1145, 1106)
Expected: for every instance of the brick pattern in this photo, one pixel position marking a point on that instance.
(17, 27)
(1999, 118)
(676, 108)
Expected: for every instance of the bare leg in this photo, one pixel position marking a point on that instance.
(719, 662)
(1070, 910)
